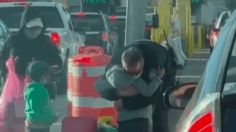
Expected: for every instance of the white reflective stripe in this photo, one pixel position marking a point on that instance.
(97, 71)
(69, 96)
(91, 71)
(91, 102)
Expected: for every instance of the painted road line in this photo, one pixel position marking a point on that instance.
(201, 52)
(188, 76)
(205, 49)
(56, 124)
(196, 59)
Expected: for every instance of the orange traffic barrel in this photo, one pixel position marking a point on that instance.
(86, 101)
(81, 50)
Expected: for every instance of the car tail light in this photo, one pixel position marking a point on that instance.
(203, 116)
(55, 38)
(113, 18)
(104, 36)
(203, 124)
(81, 14)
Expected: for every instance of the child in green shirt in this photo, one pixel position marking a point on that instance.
(38, 110)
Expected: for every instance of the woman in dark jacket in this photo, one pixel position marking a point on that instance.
(27, 45)
(31, 43)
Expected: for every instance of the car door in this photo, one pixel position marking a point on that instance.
(69, 27)
(229, 92)
(74, 37)
(206, 102)
(112, 36)
(3, 36)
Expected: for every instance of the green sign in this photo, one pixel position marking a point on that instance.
(95, 1)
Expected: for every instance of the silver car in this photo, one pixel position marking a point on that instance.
(210, 105)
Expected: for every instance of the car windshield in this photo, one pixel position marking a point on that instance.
(118, 23)
(88, 22)
(51, 16)
(120, 11)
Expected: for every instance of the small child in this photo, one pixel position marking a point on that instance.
(129, 75)
(38, 110)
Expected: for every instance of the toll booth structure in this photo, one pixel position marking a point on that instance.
(169, 11)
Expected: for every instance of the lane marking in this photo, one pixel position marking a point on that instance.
(56, 124)
(206, 49)
(188, 76)
(196, 59)
(201, 52)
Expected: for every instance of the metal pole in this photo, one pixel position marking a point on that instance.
(135, 20)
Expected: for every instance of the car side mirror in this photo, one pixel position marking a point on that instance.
(155, 20)
(178, 96)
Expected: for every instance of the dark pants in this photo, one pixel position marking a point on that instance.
(160, 121)
(160, 113)
(134, 125)
(37, 130)
(211, 49)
